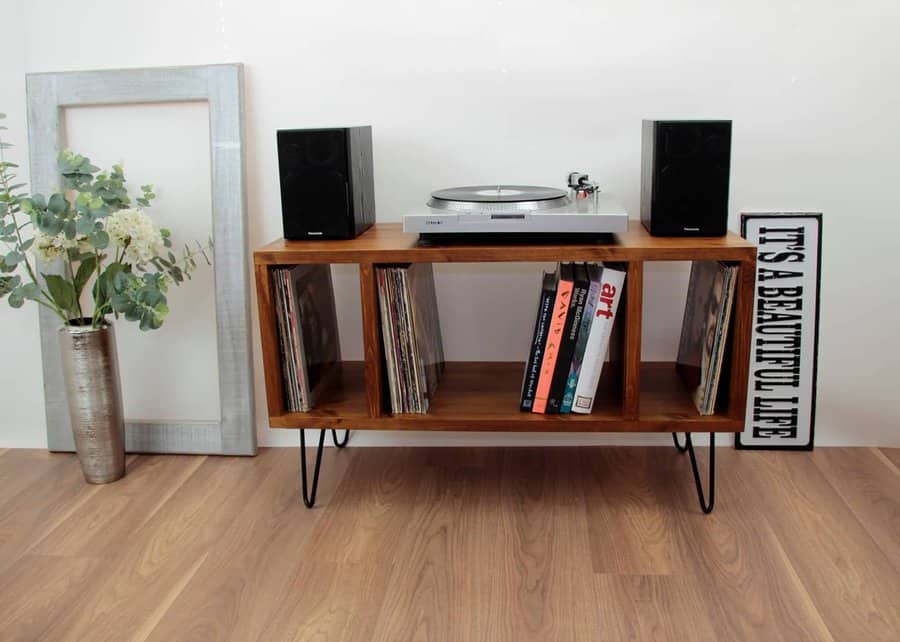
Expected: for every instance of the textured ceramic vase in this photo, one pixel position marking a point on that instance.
(91, 370)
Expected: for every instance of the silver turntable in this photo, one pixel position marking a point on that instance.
(519, 211)
(501, 198)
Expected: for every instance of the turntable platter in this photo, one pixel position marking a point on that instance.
(493, 197)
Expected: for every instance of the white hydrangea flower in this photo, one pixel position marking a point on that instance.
(49, 248)
(135, 231)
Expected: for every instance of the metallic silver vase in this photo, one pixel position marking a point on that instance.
(91, 370)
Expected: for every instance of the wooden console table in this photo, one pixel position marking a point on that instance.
(633, 396)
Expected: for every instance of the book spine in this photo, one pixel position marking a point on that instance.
(567, 348)
(554, 338)
(584, 331)
(538, 342)
(611, 284)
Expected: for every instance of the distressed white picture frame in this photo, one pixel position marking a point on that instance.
(221, 86)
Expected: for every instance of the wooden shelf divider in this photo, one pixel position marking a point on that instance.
(633, 396)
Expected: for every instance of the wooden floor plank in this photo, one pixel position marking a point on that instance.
(572, 576)
(118, 510)
(491, 544)
(242, 579)
(20, 469)
(849, 578)
(340, 583)
(870, 486)
(631, 513)
(32, 589)
(141, 573)
(32, 512)
(748, 582)
(440, 567)
(892, 455)
(652, 607)
(541, 573)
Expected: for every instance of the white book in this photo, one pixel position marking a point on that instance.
(611, 284)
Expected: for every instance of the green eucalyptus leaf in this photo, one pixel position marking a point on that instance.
(13, 258)
(120, 281)
(84, 225)
(99, 239)
(58, 204)
(48, 222)
(120, 302)
(31, 291)
(8, 284)
(61, 291)
(151, 297)
(16, 298)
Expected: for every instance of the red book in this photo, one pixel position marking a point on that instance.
(554, 336)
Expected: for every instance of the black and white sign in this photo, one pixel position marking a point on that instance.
(781, 400)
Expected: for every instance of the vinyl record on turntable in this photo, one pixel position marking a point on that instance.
(507, 198)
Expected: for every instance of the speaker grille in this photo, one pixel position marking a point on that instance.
(689, 173)
(315, 183)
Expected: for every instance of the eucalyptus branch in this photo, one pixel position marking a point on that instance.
(101, 239)
(53, 308)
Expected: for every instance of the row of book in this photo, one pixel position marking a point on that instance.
(576, 312)
(411, 333)
(307, 332)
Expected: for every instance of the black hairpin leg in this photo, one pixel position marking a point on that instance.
(334, 438)
(309, 498)
(688, 447)
(309, 495)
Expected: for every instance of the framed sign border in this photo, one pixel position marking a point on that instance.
(817, 216)
(222, 87)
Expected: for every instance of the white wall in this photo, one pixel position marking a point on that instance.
(525, 91)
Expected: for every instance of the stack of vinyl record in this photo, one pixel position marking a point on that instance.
(308, 333)
(413, 347)
(704, 331)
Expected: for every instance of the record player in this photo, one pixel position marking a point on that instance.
(520, 212)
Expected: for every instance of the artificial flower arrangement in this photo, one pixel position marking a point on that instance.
(89, 234)
(89, 238)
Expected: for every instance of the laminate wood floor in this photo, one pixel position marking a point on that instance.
(454, 544)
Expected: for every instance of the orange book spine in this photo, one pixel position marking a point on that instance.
(554, 338)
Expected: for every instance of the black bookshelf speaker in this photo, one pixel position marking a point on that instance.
(327, 182)
(685, 167)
